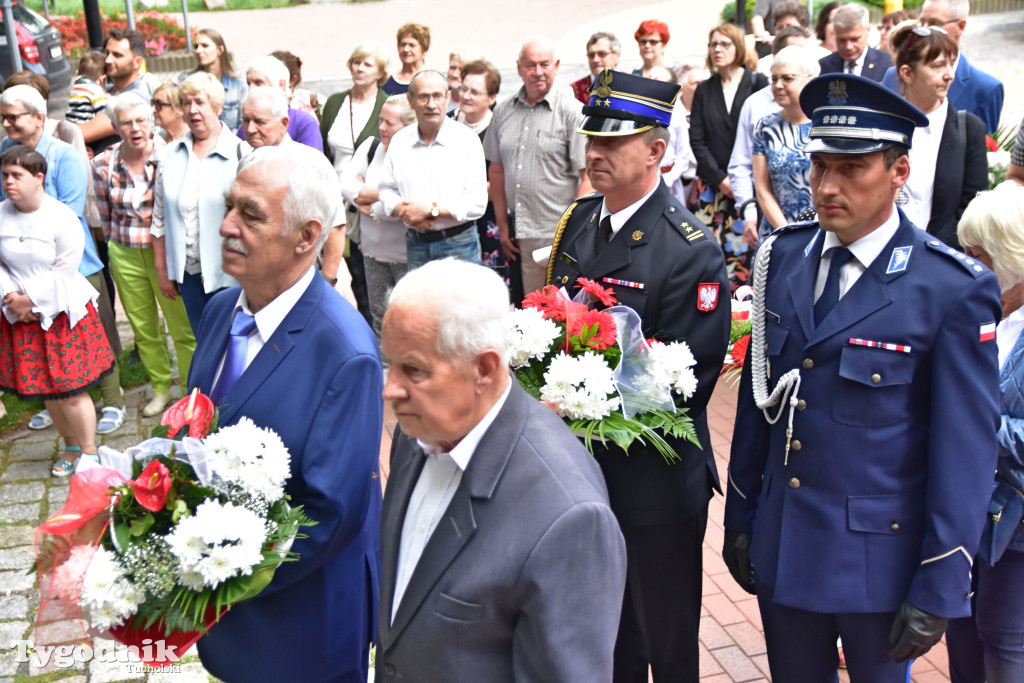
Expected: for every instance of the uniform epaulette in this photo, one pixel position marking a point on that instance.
(972, 266)
(560, 228)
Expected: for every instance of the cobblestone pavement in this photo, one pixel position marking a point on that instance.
(732, 645)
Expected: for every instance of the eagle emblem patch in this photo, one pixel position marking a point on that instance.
(707, 296)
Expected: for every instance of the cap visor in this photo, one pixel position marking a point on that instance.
(600, 125)
(845, 146)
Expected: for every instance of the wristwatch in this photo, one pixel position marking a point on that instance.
(434, 211)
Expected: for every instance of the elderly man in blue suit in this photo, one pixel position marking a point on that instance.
(286, 351)
(853, 56)
(972, 90)
(858, 486)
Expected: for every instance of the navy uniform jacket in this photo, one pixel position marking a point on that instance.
(667, 250)
(317, 383)
(875, 64)
(890, 469)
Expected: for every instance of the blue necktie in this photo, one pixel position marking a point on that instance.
(234, 361)
(830, 295)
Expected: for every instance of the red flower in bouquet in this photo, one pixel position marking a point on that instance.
(593, 330)
(991, 144)
(548, 301)
(194, 411)
(739, 350)
(152, 486)
(596, 291)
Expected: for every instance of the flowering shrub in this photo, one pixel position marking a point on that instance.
(162, 31)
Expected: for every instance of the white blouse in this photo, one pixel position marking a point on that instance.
(381, 237)
(924, 155)
(351, 120)
(39, 256)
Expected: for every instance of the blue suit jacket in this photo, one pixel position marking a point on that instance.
(890, 469)
(972, 89)
(875, 64)
(317, 383)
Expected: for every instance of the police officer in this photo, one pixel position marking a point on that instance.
(864, 442)
(638, 240)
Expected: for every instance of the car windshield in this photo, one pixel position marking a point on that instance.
(33, 22)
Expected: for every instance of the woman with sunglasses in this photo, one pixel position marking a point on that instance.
(651, 37)
(167, 113)
(948, 165)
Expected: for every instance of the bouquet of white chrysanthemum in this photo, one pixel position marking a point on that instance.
(595, 369)
(158, 542)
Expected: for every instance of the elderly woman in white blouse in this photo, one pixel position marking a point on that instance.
(383, 237)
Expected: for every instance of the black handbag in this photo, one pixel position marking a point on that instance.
(1005, 512)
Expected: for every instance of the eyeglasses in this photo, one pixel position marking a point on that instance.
(723, 44)
(158, 105)
(599, 55)
(472, 92)
(649, 41)
(13, 118)
(423, 98)
(922, 31)
(936, 23)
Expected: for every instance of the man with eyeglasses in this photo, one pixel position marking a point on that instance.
(972, 90)
(853, 55)
(603, 52)
(538, 165)
(434, 178)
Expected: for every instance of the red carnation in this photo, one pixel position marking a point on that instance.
(600, 331)
(152, 486)
(194, 411)
(596, 291)
(739, 350)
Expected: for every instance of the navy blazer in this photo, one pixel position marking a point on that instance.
(316, 382)
(522, 579)
(972, 89)
(890, 468)
(875, 64)
(961, 172)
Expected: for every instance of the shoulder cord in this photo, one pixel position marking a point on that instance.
(559, 229)
(789, 384)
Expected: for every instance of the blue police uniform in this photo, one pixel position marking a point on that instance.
(876, 496)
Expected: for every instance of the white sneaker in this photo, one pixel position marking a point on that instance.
(156, 404)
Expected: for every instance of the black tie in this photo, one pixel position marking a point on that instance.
(604, 234)
(830, 295)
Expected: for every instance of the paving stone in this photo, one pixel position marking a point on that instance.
(737, 664)
(105, 672)
(21, 557)
(22, 512)
(56, 662)
(21, 493)
(44, 449)
(712, 635)
(16, 535)
(181, 673)
(10, 631)
(16, 471)
(16, 581)
(13, 607)
(750, 640)
(55, 498)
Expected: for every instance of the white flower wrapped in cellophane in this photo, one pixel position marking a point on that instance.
(108, 598)
(580, 387)
(672, 365)
(217, 543)
(253, 458)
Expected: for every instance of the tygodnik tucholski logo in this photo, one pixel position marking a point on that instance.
(65, 656)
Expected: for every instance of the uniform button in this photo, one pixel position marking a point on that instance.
(876, 378)
(796, 445)
(565, 278)
(389, 669)
(794, 483)
(801, 405)
(671, 209)
(894, 526)
(808, 363)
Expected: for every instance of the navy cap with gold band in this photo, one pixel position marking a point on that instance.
(624, 104)
(854, 115)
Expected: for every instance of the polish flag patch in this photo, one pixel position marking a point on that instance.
(707, 296)
(987, 332)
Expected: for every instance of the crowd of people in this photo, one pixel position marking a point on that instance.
(234, 203)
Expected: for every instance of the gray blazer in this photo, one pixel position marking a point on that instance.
(523, 578)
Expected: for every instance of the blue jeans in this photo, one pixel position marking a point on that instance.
(195, 298)
(465, 246)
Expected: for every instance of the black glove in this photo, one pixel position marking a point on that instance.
(736, 553)
(914, 633)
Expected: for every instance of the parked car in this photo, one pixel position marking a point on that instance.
(42, 51)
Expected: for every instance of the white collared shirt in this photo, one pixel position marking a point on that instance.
(865, 251)
(439, 479)
(924, 155)
(268, 318)
(620, 217)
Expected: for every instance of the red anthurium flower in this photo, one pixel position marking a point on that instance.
(739, 349)
(991, 144)
(601, 329)
(195, 411)
(596, 291)
(152, 486)
(548, 301)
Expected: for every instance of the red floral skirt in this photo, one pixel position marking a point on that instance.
(56, 363)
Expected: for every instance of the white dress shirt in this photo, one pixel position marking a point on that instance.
(924, 155)
(450, 171)
(865, 251)
(741, 162)
(267, 318)
(434, 490)
(620, 217)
